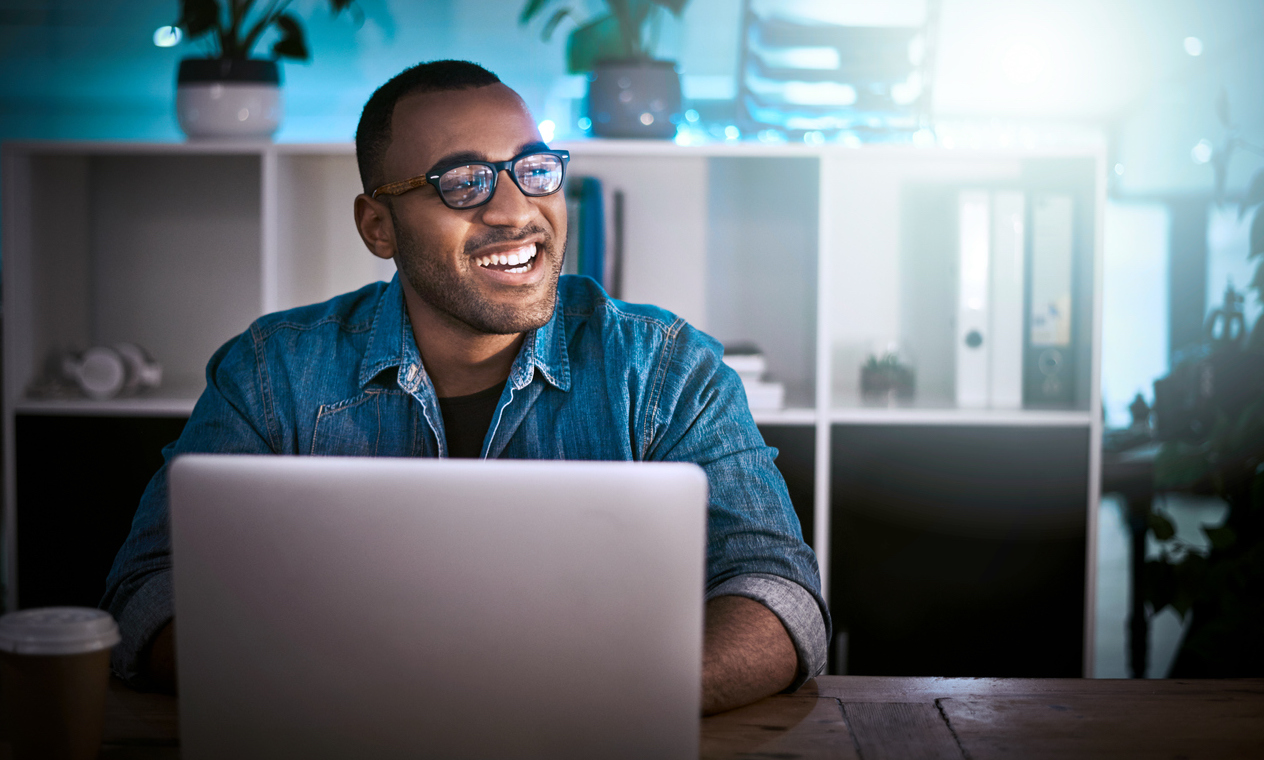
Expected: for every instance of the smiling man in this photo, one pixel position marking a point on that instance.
(479, 349)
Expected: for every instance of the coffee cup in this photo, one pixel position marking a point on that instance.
(54, 672)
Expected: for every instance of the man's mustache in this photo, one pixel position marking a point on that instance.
(496, 236)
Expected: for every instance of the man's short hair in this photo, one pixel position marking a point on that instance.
(373, 135)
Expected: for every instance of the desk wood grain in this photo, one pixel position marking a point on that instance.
(869, 718)
(986, 718)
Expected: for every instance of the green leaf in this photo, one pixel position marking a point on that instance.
(595, 41)
(531, 10)
(1221, 538)
(1180, 465)
(1160, 526)
(546, 34)
(1254, 194)
(197, 17)
(1158, 584)
(291, 44)
(630, 16)
(1188, 578)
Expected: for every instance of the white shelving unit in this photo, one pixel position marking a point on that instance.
(800, 249)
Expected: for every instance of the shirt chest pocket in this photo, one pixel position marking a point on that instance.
(376, 423)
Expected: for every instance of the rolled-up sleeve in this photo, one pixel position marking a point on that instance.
(140, 615)
(755, 545)
(797, 610)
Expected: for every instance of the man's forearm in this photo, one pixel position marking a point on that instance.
(746, 654)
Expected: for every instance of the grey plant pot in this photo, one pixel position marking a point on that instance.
(638, 99)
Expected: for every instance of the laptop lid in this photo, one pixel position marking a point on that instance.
(355, 607)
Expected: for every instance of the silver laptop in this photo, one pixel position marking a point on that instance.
(387, 608)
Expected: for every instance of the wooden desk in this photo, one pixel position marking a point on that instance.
(871, 718)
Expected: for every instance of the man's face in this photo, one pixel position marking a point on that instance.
(451, 257)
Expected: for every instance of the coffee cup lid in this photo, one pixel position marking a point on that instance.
(57, 630)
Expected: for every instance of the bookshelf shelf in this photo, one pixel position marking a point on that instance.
(147, 406)
(820, 255)
(964, 417)
(787, 416)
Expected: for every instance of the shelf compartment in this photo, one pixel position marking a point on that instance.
(158, 249)
(894, 258)
(762, 263)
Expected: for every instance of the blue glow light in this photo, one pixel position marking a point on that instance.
(1201, 153)
(167, 36)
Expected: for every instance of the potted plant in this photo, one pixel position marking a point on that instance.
(630, 93)
(228, 93)
(886, 380)
(1215, 445)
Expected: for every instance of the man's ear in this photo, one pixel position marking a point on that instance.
(373, 221)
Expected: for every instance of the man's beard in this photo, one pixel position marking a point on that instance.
(443, 288)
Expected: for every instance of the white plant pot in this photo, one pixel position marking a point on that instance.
(226, 98)
(228, 109)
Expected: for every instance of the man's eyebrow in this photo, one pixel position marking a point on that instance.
(470, 155)
(458, 157)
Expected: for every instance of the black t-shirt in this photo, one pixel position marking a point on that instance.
(466, 419)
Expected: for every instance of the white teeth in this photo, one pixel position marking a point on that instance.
(521, 256)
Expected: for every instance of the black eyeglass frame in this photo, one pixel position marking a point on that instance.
(432, 178)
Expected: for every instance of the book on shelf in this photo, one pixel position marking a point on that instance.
(593, 247)
(748, 361)
(764, 396)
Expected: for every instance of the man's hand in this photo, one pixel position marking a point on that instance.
(160, 663)
(746, 654)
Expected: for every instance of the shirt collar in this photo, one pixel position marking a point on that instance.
(391, 344)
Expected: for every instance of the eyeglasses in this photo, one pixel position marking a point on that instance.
(472, 184)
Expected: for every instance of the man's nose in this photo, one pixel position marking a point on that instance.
(508, 206)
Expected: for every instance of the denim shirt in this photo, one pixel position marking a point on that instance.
(602, 380)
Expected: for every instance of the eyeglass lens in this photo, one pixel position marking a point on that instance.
(471, 184)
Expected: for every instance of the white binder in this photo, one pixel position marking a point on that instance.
(1006, 303)
(1049, 349)
(974, 344)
